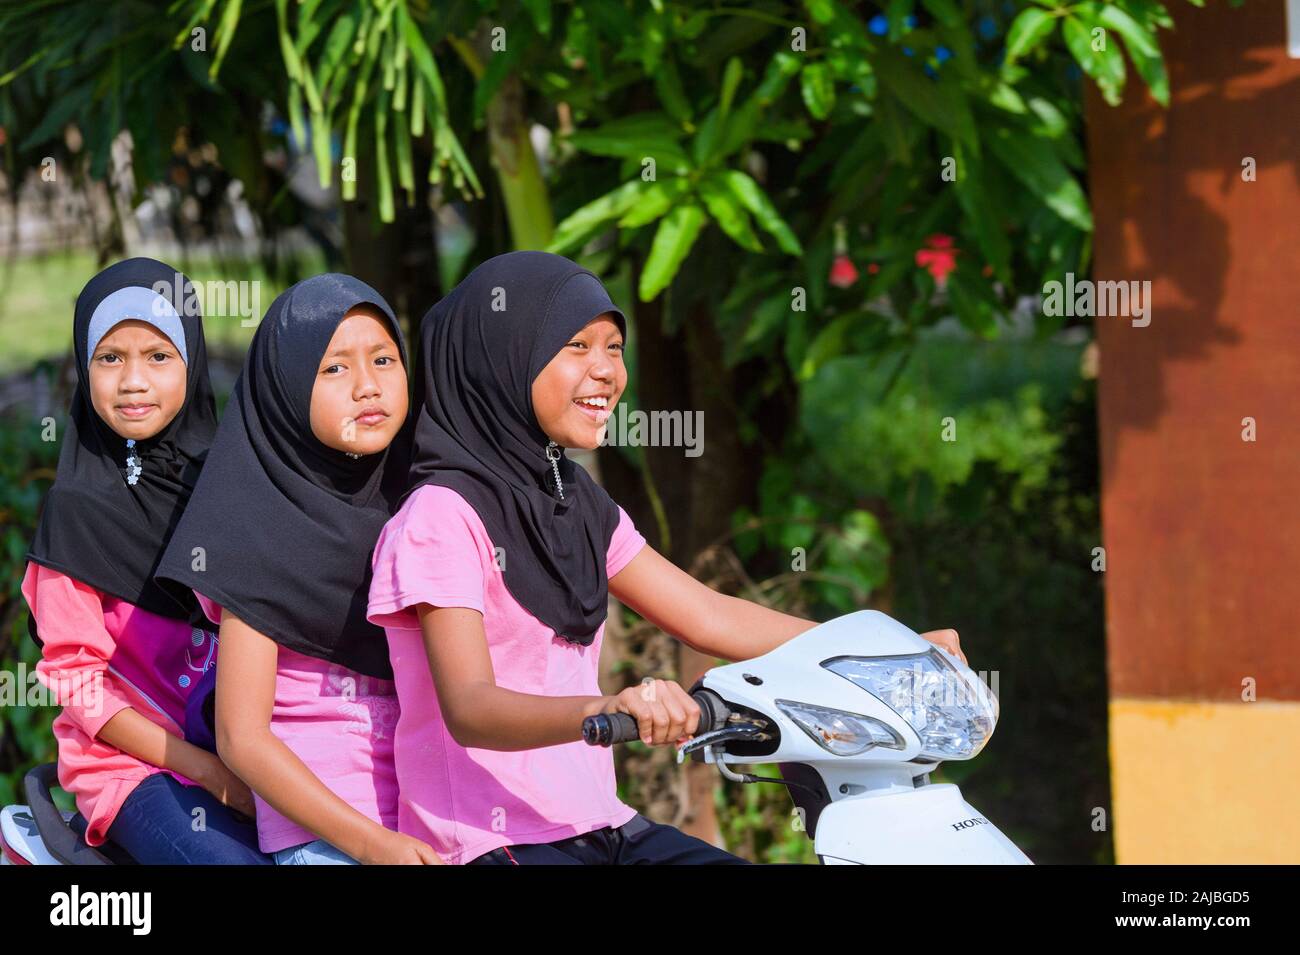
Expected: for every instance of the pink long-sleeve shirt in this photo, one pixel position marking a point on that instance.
(465, 801)
(340, 723)
(102, 655)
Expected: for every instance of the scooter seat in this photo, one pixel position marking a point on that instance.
(60, 840)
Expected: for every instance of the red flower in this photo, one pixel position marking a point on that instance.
(938, 257)
(843, 272)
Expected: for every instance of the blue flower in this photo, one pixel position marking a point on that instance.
(942, 53)
(879, 24)
(987, 27)
(907, 50)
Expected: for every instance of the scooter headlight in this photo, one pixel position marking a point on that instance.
(838, 731)
(953, 716)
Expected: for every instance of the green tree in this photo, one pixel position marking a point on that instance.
(792, 197)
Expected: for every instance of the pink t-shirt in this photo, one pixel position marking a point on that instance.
(101, 655)
(464, 801)
(340, 723)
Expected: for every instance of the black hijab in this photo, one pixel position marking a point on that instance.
(95, 526)
(476, 431)
(286, 523)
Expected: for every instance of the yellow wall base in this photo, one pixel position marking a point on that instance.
(1205, 783)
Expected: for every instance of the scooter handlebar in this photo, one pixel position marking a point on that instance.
(606, 729)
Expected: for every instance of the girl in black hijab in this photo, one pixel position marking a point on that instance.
(276, 546)
(492, 581)
(493, 578)
(123, 657)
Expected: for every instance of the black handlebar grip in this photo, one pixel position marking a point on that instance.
(606, 729)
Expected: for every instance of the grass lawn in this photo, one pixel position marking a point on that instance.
(38, 295)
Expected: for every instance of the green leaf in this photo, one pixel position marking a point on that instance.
(337, 44)
(1029, 29)
(405, 164)
(417, 108)
(739, 128)
(776, 78)
(972, 305)
(764, 324)
(1004, 96)
(943, 107)
(983, 216)
(424, 61)
(1105, 66)
(673, 98)
(822, 11)
(201, 14)
(894, 132)
(63, 109)
(1143, 48)
(728, 213)
(897, 12)
(288, 52)
(225, 33)
(653, 38)
(309, 25)
(829, 343)
(640, 136)
(1150, 12)
(579, 224)
(672, 241)
(1034, 162)
(946, 12)
(540, 11)
(384, 181)
(818, 88)
(348, 188)
(320, 147)
(752, 197)
(653, 202)
(730, 80)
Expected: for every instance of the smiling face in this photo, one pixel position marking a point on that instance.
(574, 395)
(137, 379)
(358, 402)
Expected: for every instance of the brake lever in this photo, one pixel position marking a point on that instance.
(736, 731)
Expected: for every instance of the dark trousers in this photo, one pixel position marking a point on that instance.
(638, 842)
(156, 826)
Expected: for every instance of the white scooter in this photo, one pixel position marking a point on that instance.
(857, 712)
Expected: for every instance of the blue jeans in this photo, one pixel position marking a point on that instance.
(637, 842)
(156, 826)
(319, 852)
